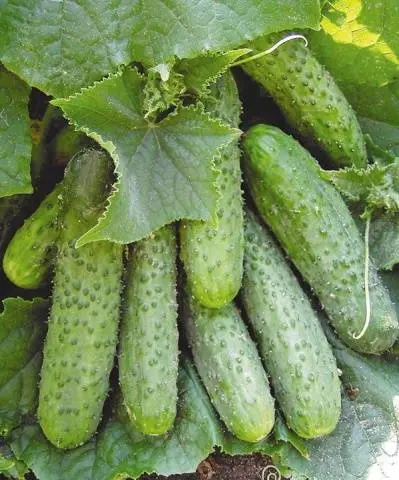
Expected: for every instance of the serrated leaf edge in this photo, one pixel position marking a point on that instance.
(111, 149)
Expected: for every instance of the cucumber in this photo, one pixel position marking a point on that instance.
(66, 144)
(312, 222)
(148, 352)
(309, 98)
(10, 209)
(212, 254)
(30, 254)
(291, 341)
(230, 368)
(82, 329)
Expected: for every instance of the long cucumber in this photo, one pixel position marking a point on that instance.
(212, 253)
(291, 341)
(148, 354)
(230, 368)
(309, 98)
(312, 222)
(82, 332)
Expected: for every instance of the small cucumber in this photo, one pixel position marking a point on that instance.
(291, 341)
(312, 222)
(31, 252)
(309, 98)
(66, 144)
(231, 370)
(10, 209)
(213, 253)
(82, 332)
(148, 352)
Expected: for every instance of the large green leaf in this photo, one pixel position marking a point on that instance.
(119, 451)
(21, 336)
(359, 45)
(383, 134)
(15, 145)
(61, 46)
(164, 169)
(365, 444)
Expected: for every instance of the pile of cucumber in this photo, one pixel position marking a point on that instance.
(234, 285)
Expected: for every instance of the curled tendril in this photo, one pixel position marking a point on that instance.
(270, 472)
(274, 47)
(366, 279)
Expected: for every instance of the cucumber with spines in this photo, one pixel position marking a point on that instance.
(310, 99)
(230, 368)
(313, 224)
(148, 351)
(212, 251)
(83, 323)
(30, 254)
(291, 341)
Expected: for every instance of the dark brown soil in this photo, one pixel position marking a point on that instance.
(225, 467)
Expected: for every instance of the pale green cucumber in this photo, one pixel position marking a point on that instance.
(313, 224)
(231, 370)
(30, 254)
(212, 251)
(148, 352)
(82, 332)
(309, 98)
(291, 341)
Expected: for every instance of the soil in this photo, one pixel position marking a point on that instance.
(225, 467)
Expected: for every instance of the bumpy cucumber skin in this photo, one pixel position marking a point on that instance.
(82, 332)
(310, 99)
(212, 252)
(30, 254)
(148, 351)
(231, 370)
(312, 222)
(290, 339)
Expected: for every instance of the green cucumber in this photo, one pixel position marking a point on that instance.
(82, 331)
(148, 352)
(291, 341)
(312, 222)
(30, 254)
(309, 98)
(212, 254)
(66, 144)
(230, 368)
(10, 209)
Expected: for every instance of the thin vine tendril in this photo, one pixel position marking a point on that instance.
(366, 279)
(288, 38)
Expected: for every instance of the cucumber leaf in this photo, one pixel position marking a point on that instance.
(21, 338)
(365, 444)
(201, 71)
(61, 46)
(15, 143)
(385, 135)
(359, 45)
(375, 187)
(164, 169)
